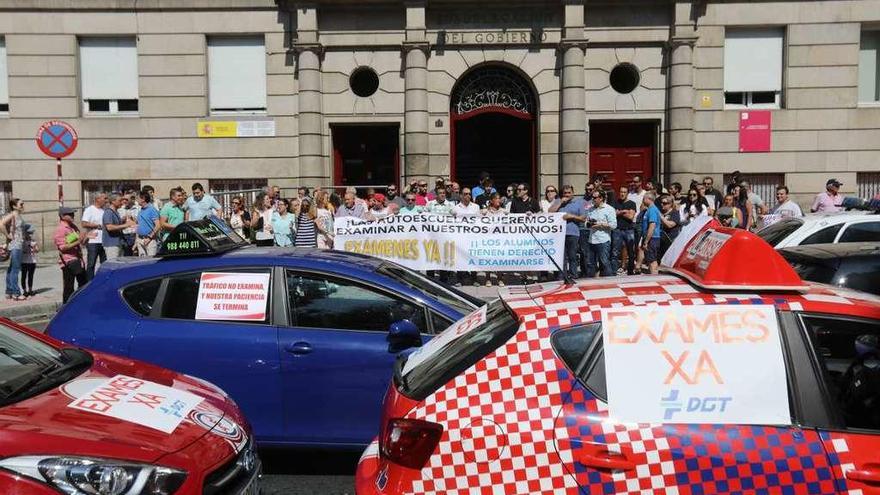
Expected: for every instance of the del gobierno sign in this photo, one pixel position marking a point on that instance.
(424, 241)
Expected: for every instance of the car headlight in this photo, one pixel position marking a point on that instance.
(92, 476)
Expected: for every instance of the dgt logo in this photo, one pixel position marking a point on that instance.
(673, 404)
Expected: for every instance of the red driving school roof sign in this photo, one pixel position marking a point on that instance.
(719, 257)
(56, 138)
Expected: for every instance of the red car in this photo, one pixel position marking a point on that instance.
(725, 374)
(82, 423)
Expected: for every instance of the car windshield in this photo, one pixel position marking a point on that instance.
(774, 234)
(28, 365)
(448, 296)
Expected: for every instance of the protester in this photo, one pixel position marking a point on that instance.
(652, 230)
(675, 190)
(599, 185)
(636, 192)
(324, 219)
(742, 203)
(283, 224)
(757, 204)
(12, 228)
(201, 205)
(240, 218)
(785, 207)
(307, 229)
(301, 192)
(113, 226)
(624, 237)
(550, 194)
(584, 236)
(523, 202)
(147, 229)
(829, 201)
(728, 213)
(130, 209)
(378, 208)
(157, 203)
(261, 221)
(602, 219)
(411, 208)
(422, 193)
(69, 242)
(484, 187)
(465, 207)
(671, 221)
(454, 192)
(351, 208)
(692, 206)
(440, 205)
(393, 197)
(29, 250)
(575, 214)
(713, 196)
(171, 215)
(91, 224)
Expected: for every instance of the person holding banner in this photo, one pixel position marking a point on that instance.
(466, 207)
(411, 208)
(575, 210)
(440, 205)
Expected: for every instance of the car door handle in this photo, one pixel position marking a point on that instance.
(869, 474)
(607, 461)
(299, 348)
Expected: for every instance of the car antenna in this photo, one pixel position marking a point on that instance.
(566, 277)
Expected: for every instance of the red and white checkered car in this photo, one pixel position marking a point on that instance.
(725, 374)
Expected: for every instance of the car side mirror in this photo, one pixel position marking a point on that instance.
(402, 335)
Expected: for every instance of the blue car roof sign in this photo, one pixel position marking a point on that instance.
(199, 238)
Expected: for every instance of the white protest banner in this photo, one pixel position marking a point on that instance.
(516, 242)
(717, 364)
(139, 401)
(233, 296)
(456, 330)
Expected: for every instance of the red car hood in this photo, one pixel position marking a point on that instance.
(47, 424)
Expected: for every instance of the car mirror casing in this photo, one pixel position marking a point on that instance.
(402, 335)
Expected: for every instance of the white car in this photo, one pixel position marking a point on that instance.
(823, 228)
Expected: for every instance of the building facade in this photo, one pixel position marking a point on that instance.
(240, 93)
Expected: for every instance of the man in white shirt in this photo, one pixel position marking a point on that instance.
(637, 192)
(785, 208)
(465, 207)
(93, 223)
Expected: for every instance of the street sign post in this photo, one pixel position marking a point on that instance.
(57, 139)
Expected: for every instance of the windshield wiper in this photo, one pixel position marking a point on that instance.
(76, 359)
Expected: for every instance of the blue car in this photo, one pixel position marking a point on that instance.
(309, 368)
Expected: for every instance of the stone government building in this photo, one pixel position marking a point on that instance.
(235, 93)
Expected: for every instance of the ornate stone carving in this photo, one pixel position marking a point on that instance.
(492, 87)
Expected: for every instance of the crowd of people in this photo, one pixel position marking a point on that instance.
(607, 232)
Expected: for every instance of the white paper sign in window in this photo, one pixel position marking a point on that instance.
(233, 296)
(716, 364)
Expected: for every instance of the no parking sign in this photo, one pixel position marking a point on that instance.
(56, 138)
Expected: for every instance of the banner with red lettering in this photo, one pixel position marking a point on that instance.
(139, 401)
(233, 296)
(714, 364)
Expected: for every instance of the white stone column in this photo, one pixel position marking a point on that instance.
(573, 117)
(681, 108)
(415, 138)
(312, 169)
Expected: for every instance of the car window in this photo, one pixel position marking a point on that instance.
(140, 297)
(182, 295)
(572, 344)
(861, 232)
(316, 301)
(439, 322)
(824, 236)
(860, 273)
(455, 299)
(774, 234)
(848, 352)
(819, 270)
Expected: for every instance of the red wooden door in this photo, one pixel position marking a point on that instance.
(620, 164)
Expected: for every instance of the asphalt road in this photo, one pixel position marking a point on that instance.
(308, 472)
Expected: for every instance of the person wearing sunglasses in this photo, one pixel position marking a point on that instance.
(550, 194)
(523, 202)
(713, 196)
(624, 236)
(410, 208)
(692, 206)
(393, 197)
(671, 219)
(575, 210)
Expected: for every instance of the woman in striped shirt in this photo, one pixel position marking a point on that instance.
(307, 228)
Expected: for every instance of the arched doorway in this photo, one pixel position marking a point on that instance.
(493, 118)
